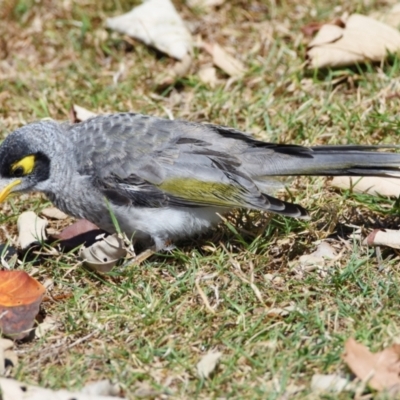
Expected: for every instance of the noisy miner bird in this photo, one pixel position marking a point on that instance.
(164, 180)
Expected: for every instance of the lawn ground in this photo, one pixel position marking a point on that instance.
(147, 326)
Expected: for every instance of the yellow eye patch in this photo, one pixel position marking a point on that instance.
(26, 164)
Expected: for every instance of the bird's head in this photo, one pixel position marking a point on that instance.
(25, 158)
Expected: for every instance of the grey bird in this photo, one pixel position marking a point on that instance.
(164, 180)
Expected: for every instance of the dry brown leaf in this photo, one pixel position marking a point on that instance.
(5, 345)
(391, 17)
(225, 61)
(208, 75)
(323, 252)
(31, 229)
(101, 388)
(11, 389)
(104, 254)
(312, 28)
(80, 232)
(383, 237)
(79, 114)
(180, 69)
(49, 324)
(381, 370)
(330, 383)
(369, 185)
(20, 299)
(208, 363)
(156, 23)
(204, 3)
(362, 39)
(54, 213)
(145, 390)
(78, 228)
(282, 312)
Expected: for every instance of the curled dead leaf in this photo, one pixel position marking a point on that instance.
(208, 363)
(31, 229)
(47, 325)
(323, 252)
(369, 185)
(225, 61)
(5, 346)
(79, 114)
(208, 75)
(12, 389)
(80, 232)
(157, 24)
(54, 213)
(104, 254)
(330, 383)
(20, 299)
(204, 3)
(381, 369)
(383, 237)
(362, 39)
(391, 17)
(180, 69)
(102, 388)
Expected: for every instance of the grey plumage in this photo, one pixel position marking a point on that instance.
(167, 179)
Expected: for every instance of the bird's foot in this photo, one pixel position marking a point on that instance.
(163, 245)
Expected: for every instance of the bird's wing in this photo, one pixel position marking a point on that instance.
(147, 161)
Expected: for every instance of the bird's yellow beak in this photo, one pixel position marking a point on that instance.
(7, 190)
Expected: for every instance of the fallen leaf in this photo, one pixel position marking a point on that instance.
(31, 229)
(20, 299)
(208, 75)
(323, 252)
(389, 187)
(225, 61)
(391, 17)
(104, 254)
(12, 389)
(204, 3)
(49, 324)
(78, 228)
(208, 363)
(180, 69)
(282, 312)
(362, 39)
(8, 256)
(54, 213)
(5, 345)
(381, 370)
(145, 390)
(330, 383)
(79, 114)
(313, 27)
(101, 388)
(383, 237)
(156, 23)
(79, 233)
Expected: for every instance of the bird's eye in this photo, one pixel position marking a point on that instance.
(18, 172)
(23, 167)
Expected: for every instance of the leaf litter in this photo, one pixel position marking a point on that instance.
(208, 363)
(381, 370)
(360, 39)
(20, 299)
(157, 24)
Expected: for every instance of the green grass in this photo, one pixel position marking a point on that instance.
(148, 324)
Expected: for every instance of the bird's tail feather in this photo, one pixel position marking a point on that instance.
(340, 160)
